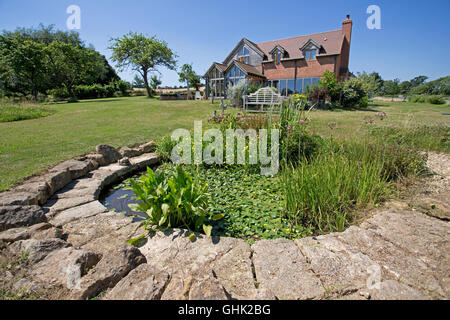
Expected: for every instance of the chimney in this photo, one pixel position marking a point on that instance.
(347, 28)
(345, 53)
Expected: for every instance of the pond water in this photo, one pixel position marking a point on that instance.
(118, 197)
(252, 205)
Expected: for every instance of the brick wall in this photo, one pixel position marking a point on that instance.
(305, 69)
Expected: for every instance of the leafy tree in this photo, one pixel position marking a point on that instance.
(391, 87)
(405, 87)
(22, 65)
(417, 81)
(154, 82)
(69, 64)
(329, 82)
(142, 54)
(372, 82)
(188, 75)
(138, 82)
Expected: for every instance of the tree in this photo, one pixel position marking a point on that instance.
(144, 55)
(372, 82)
(69, 64)
(391, 87)
(417, 81)
(154, 82)
(188, 75)
(138, 82)
(23, 65)
(405, 87)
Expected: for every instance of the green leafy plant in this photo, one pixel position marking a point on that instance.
(172, 199)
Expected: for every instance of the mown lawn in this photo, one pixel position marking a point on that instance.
(30, 146)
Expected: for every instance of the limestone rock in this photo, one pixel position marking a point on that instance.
(20, 216)
(72, 214)
(55, 205)
(57, 179)
(37, 250)
(113, 266)
(110, 154)
(38, 231)
(147, 147)
(281, 268)
(394, 290)
(76, 168)
(99, 233)
(129, 152)
(37, 187)
(143, 283)
(340, 268)
(234, 272)
(396, 263)
(18, 198)
(63, 269)
(125, 162)
(99, 159)
(207, 288)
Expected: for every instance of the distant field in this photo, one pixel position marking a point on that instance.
(31, 146)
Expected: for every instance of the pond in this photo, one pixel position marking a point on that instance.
(252, 204)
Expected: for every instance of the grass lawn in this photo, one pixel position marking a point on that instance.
(30, 146)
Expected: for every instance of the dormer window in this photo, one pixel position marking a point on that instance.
(278, 53)
(276, 57)
(310, 54)
(311, 49)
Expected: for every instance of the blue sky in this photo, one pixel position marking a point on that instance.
(414, 39)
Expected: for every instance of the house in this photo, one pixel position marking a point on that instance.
(291, 65)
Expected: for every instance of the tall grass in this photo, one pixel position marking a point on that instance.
(324, 192)
(10, 112)
(435, 138)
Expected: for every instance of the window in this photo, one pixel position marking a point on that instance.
(315, 81)
(290, 86)
(276, 58)
(299, 86)
(306, 83)
(310, 54)
(234, 75)
(244, 55)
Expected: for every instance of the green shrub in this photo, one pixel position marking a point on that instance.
(59, 93)
(424, 98)
(164, 147)
(353, 93)
(171, 199)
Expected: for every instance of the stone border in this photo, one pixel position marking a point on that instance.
(39, 189)
(76, 248)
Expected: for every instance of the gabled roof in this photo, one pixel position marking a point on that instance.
(330, 41)
(248, 43)
(309, 43)
(246, 68)
(277, 48)
(220, 66)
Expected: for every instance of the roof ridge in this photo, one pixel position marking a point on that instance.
(310, 34)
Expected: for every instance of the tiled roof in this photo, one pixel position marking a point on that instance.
(331, 41)
(248, 68)
(223, 67)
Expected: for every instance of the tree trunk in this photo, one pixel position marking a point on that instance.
(147, 86)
